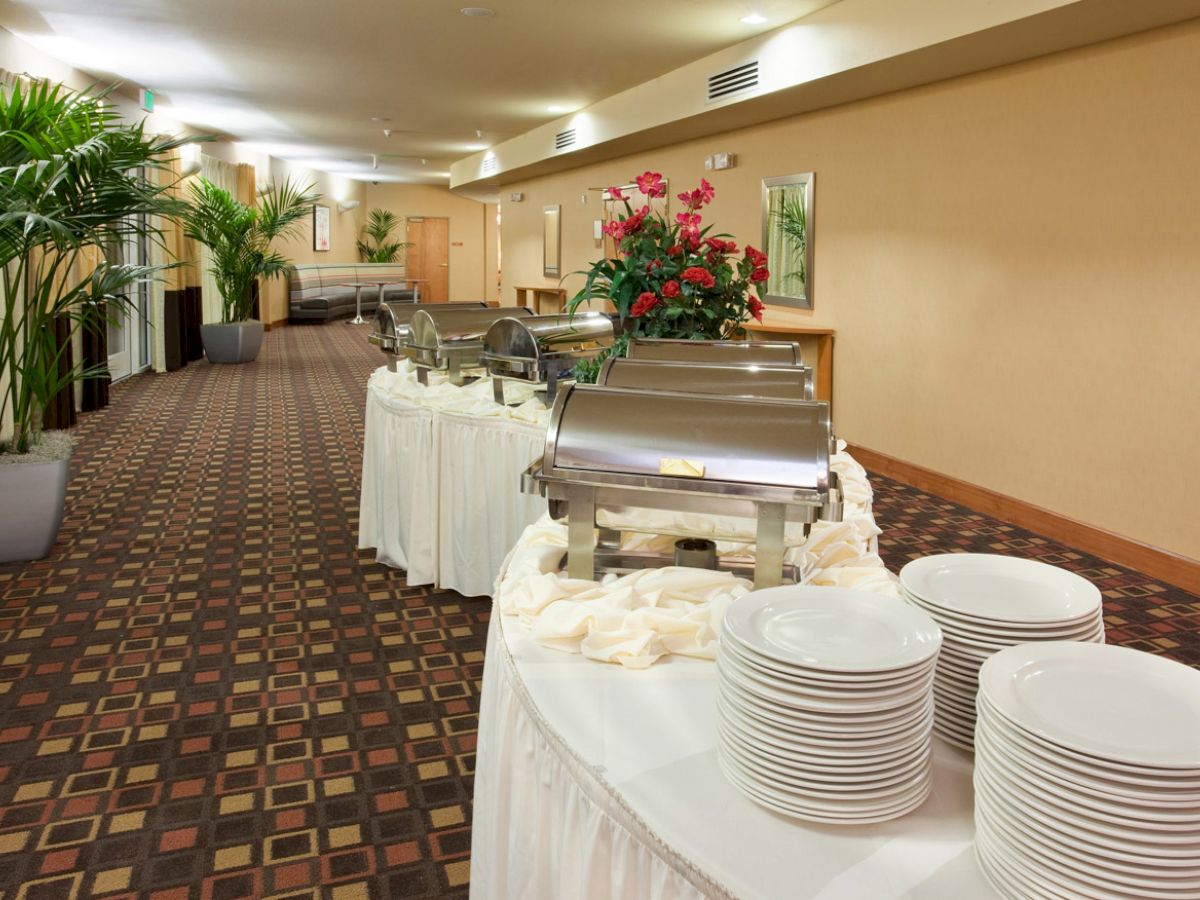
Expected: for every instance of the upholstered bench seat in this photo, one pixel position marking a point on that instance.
(317, 291)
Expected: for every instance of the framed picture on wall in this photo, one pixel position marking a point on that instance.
(787, 236)
(320, 227)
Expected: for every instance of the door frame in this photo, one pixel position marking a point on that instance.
(422, 219)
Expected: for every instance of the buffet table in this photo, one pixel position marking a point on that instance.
(594, 781)
(435, 459)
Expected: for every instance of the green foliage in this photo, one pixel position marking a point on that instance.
(376, 245)
(73, 178)
(240, 237)
(793, 222)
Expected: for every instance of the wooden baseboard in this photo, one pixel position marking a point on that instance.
(1153, 561)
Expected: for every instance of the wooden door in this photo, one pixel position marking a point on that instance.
(429, 256)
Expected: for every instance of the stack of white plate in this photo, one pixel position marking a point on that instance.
(825, 702)
(1087, 773)
(985, 603)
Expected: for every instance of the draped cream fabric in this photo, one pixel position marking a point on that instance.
(238, 179)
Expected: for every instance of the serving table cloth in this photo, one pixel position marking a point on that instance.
(593, 781)
(441, 494)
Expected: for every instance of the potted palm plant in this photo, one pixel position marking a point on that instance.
(72, 180)
(240, 237)
(376, 244)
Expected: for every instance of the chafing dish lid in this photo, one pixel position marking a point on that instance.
(778, 382)
(738, 440)
(434, 327)
(393, 316)
(532, 336)
(782, 353)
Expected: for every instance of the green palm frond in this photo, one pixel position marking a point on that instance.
(73, 176)
(375, 245)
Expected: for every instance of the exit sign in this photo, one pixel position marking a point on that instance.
(146, 99)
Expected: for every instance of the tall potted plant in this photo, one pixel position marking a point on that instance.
(376, 244)
(72, 179)
(240, 238)
(672, 279)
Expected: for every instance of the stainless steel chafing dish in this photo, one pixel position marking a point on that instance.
(450, 339)
(741, 353)
(704, 453)
(754, 380)
(543, 349)
(391, 324)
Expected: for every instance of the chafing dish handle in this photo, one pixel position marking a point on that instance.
(831, 510)
(530, 483)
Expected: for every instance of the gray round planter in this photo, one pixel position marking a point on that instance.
(34, 494)
(238, 342)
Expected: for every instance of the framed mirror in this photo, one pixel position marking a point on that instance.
(787, 223)
(613, 209)
(551, 239)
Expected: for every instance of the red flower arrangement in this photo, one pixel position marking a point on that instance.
(673, 279)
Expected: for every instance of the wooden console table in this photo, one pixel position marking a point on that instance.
(533, 297)
(768, 331)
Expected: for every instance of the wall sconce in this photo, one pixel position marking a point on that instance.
(189, 160)
(346, 205)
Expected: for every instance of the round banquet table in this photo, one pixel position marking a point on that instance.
(441, 494)
(594, 781)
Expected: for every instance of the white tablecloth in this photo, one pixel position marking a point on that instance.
(441, 494)
(596, 782)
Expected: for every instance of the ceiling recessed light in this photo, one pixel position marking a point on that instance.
(555, 108)
(477, 12)
(754, 18)
(380, 119)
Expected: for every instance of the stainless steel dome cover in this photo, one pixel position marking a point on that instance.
(780, 353)
(752, 380)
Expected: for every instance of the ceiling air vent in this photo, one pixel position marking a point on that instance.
(564, 139)
(733, 81)
(490, 165)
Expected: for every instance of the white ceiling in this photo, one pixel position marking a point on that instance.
(304, 78)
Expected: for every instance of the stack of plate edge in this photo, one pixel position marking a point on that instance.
(968, 641)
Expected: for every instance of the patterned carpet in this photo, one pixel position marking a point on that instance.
(207, 692)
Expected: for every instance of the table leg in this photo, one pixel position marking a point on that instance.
(416, 292)
(358, 319)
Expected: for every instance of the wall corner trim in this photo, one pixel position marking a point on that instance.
(1163, 565)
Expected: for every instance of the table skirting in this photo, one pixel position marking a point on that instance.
(441, 492)
(597, 782)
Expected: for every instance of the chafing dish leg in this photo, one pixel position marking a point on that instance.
(456, 375)
(392, 364)
(581, 532)
(608, 538)
(498, 389)
(768, 544)
(422, 375)
(551, 386)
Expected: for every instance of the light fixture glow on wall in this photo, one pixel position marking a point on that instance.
(754, 18)
(347, 205)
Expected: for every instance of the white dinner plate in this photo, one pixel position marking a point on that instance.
(919, 681)
(1118, 812)
(798, 698)
(803, 721)
(1000, 588)
(1008, 883)
(1177, 841)
(817, 777)
(1031, 744)
(849, 743)
(832, 813)
(1051, 859)
(801, 727)
(1106, 701)
(810, 679)
(773, 771)
(953, 739)
(833, 629)
(816, 677)
(1055, 827)
(962, 623)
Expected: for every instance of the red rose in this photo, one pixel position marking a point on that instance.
(717, 245)
(756, 308)
(671, 288)
(756, 257)
(699, 276)
(730, 247)
(646, 301)
(633, 223)
(652, 265)
(760, 274)
(615, 193)
(675, 250)
(651, 184)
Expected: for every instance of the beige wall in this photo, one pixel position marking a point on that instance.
(468, 228)
(1009, 260)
